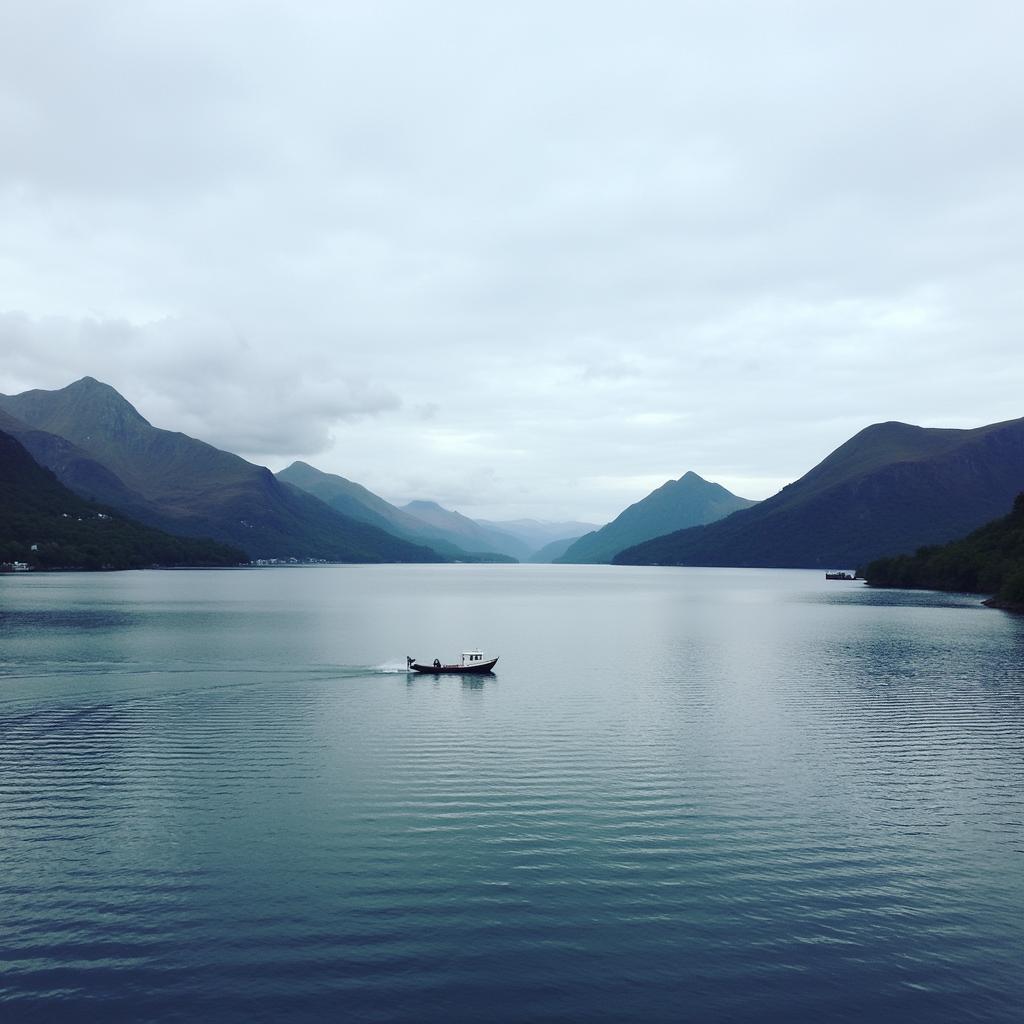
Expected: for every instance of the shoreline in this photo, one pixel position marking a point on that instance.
(1004, 606)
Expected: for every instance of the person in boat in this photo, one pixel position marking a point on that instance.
(408, 662)
(437, 663)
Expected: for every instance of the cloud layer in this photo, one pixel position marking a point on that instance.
(529, 259)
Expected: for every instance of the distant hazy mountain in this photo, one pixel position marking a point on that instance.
(354, 500)
(426, 522)
(46, 525)
(688, 501)
(466, 532)
(191, 488)
(553, 551)
(891, 488)
(535, 533)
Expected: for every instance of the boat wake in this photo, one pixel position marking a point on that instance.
(390, 667)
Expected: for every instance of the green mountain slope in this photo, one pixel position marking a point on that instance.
(191, 488)
(46, 525)
(347, 497)
(74, 467)
(890, 488)
(357, 501)
(988, 561)
(677, 504)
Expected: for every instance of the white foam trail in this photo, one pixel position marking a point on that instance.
(391, 666)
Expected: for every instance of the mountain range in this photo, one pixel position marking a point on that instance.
(99, 446)
(891, 488)
(688, 501)
(426, 522)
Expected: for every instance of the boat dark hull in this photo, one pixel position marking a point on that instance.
(455, 670)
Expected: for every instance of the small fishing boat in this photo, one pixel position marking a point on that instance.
(472, 661)
(839, 576)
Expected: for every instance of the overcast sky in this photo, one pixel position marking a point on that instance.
(520, 258)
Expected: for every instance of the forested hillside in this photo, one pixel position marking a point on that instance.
(988, 561)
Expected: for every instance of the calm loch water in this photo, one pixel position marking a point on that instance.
(686, 795)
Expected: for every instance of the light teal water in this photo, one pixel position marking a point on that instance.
(686, 794)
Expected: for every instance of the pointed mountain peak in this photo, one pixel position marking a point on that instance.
(308, 477)
(86, 408)
(88, 392)
(93, 388)
(675, 505)
(688, 481)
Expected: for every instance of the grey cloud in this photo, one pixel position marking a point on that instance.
(200, 378)
(629, 239)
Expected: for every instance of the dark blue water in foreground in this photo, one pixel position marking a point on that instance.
(687, 795)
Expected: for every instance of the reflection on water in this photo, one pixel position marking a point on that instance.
(684, 795)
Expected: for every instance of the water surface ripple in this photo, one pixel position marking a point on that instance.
(687, 795)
